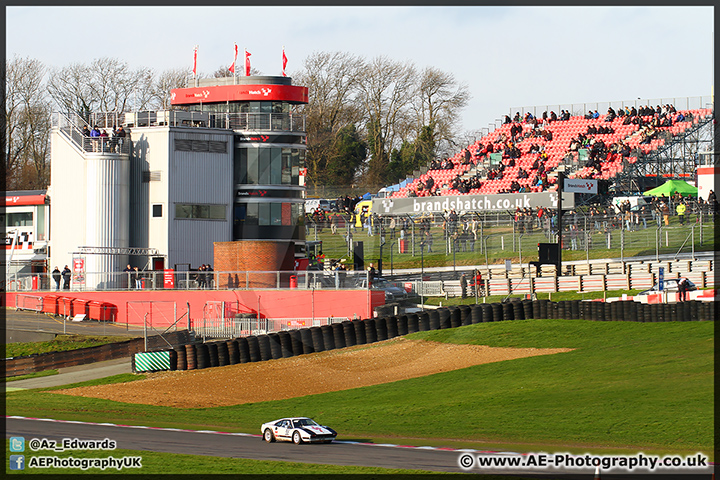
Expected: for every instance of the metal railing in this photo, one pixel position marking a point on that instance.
(575, 109)
(71, 128)
(252, 121)
(242, 327)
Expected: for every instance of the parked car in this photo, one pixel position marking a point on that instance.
(297, 430)
(393, 293)
(669, 285)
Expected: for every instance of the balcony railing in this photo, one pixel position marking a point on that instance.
(279, 122)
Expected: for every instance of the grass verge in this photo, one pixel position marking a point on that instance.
(45, 373)
(60, 343)
(627, 387)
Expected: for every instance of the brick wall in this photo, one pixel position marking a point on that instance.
(253, 256)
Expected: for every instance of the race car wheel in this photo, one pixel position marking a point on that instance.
(297, 440)
(268, 436)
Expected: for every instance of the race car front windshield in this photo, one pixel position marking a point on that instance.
(303, 422)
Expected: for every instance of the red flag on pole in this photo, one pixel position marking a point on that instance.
(232, 67)
(247, 63)
(195, 61)
(284, 62)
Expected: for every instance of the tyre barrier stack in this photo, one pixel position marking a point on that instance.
(223, 354)
(285, 344)
(455, 318)
(275, 349)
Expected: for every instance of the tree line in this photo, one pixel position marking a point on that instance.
(369, 122)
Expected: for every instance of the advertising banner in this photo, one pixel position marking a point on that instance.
(580, 186)
(470, 203)
(78, 273)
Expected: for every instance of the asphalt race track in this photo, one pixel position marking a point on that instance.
(219, 444)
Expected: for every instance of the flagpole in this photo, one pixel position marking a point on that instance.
(195, 78)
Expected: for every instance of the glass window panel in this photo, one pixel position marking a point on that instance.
(241, 166)
(200, 211)
(157, 210)
(264, 214)
(217, 212)
(40, 230)
(251, 217)
(252, 166)
(263, 166)
(276, 214)
(275, 166)
(240, 213)
(183, 211)
(22, 219)
(286, 167)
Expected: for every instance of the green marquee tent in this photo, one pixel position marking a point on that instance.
(671, 186)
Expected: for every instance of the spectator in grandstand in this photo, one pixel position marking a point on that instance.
(507, 120)
(633, 112)
(621, 112)
(589, 115)
(553, 117)
(610, 115)
(516, 118)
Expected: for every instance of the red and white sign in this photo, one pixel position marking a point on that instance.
(239, 93)
(580, 185)
(23, 200)
(296, 323)
(169, 278)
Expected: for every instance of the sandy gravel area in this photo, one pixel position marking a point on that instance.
(363, 365)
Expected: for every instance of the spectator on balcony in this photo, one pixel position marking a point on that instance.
(86, 131)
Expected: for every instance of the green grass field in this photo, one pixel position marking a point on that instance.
(60, 343)
(627, 387)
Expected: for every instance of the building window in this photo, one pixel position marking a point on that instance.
(268, 165)
(24, 219)
(157, 210)
(199, 212)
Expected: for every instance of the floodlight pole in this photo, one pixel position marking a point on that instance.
(560, 181)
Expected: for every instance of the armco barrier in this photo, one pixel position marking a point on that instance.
(53, 360)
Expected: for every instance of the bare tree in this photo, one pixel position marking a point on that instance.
(223, 71)
(387, 90)
(106, 85)
(167, 81)
(332, 79)
(27, 125)
(437, 104)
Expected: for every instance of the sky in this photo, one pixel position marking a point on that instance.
(509, 57)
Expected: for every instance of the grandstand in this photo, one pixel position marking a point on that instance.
(643, 156)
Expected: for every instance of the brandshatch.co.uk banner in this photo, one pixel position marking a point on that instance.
(470, 203)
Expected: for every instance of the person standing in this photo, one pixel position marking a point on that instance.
(128, 273)
(463, 286)
(66, 278)
(680, 210)
(136, 278)
(665, 213)
(57, 276)
(682, 289)
(372, 273)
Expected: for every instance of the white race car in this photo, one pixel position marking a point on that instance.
(297, 430)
